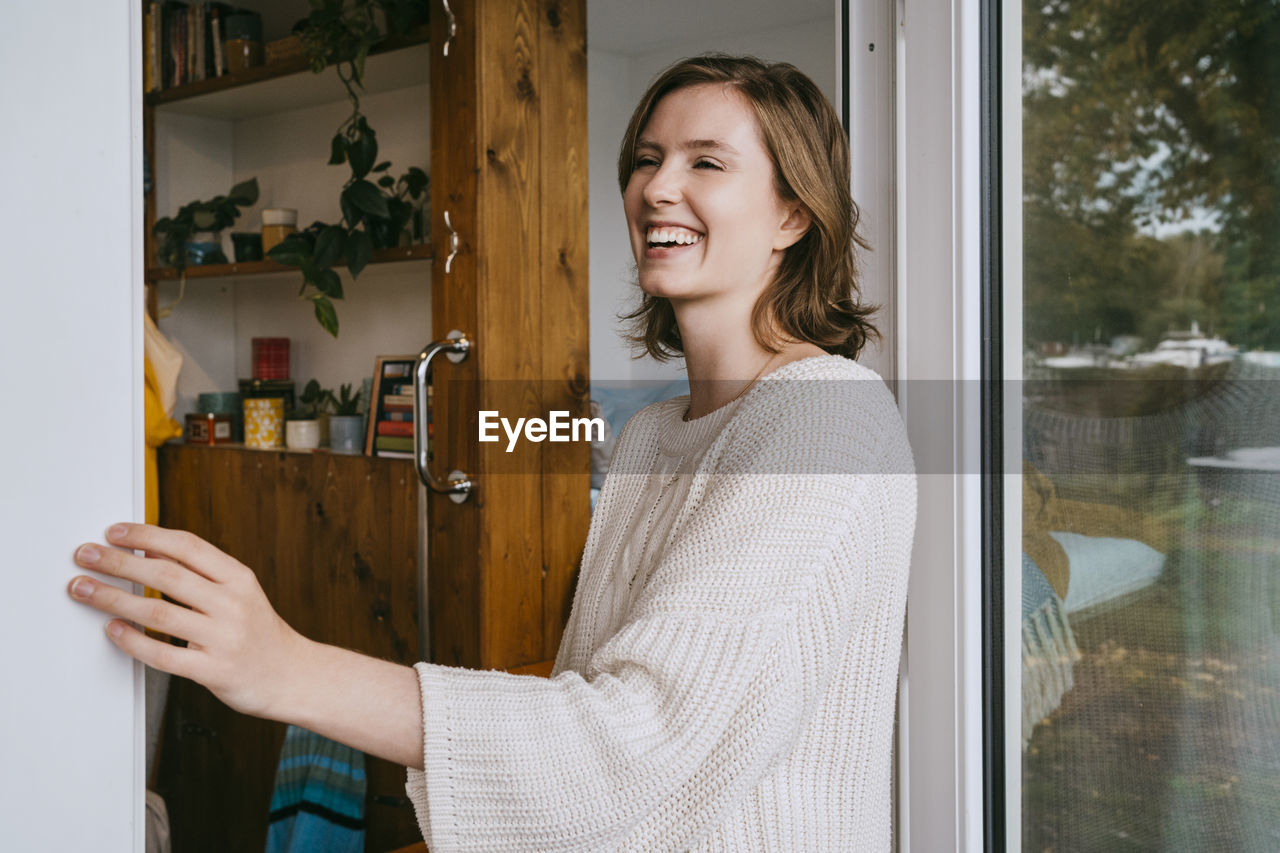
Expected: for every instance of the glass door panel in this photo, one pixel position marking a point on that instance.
(1150, 321)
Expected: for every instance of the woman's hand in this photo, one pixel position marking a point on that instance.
(238, 646)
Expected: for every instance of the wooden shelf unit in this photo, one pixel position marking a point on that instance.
(420, 252)
(205, 97)
(508, 161)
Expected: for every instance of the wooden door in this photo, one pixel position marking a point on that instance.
(509, 166)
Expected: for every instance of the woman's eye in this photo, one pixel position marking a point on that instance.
(707, 164)
(642, 162)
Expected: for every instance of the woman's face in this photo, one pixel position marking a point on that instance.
(704, 217)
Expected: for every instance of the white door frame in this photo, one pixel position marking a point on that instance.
(935, 200)
(71, 708)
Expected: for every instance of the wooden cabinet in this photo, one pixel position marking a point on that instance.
(334, 538)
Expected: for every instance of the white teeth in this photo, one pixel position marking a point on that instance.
(680, 236)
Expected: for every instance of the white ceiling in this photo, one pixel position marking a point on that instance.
(637, 26)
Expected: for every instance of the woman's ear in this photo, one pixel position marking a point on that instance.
(792, 228)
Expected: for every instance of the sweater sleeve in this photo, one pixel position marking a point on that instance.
(706, 684)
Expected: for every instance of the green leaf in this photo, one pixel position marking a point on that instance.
(292, 250)
(329, 246)
(329, 283)
(204, 220)
(245, 193)
(311, 393)
(362, 53)
(350, 213)
(382, 167)
(326, 315)
(416, 180)
(386, 181)
(338, 150)
(365, 197)
(363, 152)
(359, 251)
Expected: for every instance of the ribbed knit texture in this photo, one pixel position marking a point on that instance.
(727, 679)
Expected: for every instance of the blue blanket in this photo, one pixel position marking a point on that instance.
(317, 805)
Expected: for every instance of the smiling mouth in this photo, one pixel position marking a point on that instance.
(668, 237)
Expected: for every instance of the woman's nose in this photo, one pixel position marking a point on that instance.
(663, 187)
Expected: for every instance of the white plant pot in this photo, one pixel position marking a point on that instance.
(302, 435)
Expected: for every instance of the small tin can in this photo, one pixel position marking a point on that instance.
(209, 428)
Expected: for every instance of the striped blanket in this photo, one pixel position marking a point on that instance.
(317, 805)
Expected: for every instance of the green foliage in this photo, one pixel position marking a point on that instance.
(312, 401)
(1137, 115)
(345, 403)
(213, 215)
(341, 33)
(316, 399)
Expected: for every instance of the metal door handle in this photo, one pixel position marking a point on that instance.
(453, 27)
(458, 485)
(453, 244)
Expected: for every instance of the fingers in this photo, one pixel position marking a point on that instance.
(154, 613)
(154, 653)
(186, 548)
(175, 581)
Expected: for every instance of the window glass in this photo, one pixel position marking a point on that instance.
(1151, 425)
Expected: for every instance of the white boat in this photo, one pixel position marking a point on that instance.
(1187, 349)
(1090, 355)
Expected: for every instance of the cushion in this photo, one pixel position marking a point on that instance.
(1103, 568)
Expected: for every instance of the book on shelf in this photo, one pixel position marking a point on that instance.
(183, 42)
(400, 428)
(397, 416)
(393, 443)
(195, 41)
(174, 44)
(148, 47)
(398, 400)
(215, 32)
(396, 454)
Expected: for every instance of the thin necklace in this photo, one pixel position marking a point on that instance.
(745, 388)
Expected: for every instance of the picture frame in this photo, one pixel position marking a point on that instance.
(390, 374)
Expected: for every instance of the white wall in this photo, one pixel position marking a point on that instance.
(387, 311)
(615, 82)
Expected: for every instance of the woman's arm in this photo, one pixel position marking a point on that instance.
(241, 649)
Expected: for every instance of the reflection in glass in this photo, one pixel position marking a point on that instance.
(1151, 488)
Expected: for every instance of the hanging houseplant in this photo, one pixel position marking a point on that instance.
(341, 33)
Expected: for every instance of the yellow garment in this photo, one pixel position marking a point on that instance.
(161, 393)
(159, 429)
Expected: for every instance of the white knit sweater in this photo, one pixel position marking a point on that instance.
(728, 674)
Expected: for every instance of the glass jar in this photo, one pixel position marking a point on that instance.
(243, 45)
(277, 223)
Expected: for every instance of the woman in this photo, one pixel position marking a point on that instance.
(728, 673)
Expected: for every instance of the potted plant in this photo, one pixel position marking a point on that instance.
(403, 197)
(346, 424)
(341, 33)
(180, 244)
(302, 426)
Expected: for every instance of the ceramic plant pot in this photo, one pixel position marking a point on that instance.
(302, 434)
(346, 433)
